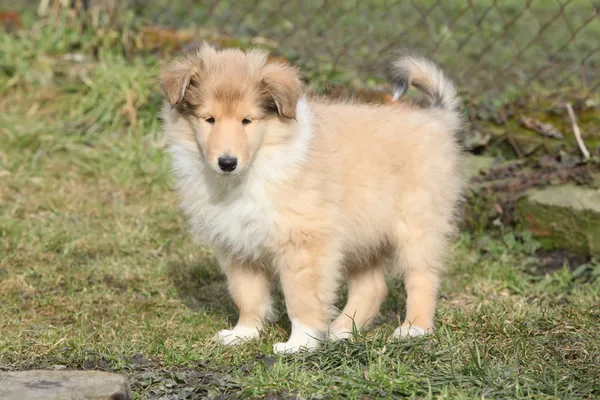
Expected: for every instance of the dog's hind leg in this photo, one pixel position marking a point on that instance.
(366, 291)
(250, 288)
(421, 259)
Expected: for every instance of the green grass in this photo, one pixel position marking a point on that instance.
(96, 265)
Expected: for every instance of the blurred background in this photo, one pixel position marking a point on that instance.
(506, 46)
(97, 270)
(519, 66)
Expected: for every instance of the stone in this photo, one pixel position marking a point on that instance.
(566, 216)
(475, 164)
(63, 385)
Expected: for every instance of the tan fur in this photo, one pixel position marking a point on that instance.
(283, 84)
(324, 190)
(366, 291)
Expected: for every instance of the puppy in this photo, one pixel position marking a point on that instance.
(308, 191)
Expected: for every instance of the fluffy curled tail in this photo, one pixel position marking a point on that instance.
(426, 76)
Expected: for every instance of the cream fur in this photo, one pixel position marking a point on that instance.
(303, 337)
(333, 192)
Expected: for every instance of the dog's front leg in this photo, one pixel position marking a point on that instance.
(309, 282)
(250, 289)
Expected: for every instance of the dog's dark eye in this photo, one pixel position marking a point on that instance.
(210, 120)
(246, 121)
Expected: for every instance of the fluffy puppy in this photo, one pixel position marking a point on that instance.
(309, 191)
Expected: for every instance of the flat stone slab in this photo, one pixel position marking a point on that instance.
(570, 196)
(63, 385)
(566, 216)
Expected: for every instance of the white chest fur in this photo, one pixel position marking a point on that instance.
(234, 216)
(236, 213)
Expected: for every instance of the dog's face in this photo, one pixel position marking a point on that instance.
(228, 98)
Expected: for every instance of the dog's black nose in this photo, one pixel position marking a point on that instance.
(227, 163)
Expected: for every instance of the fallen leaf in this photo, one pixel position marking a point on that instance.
(374, 96)
(276, 59)
(475, 139)
(10, 20)
(542, 128)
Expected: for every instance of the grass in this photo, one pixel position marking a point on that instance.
(97, 269)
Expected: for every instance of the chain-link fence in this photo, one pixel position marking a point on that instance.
(484, 44)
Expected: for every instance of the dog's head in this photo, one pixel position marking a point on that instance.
(229, 98)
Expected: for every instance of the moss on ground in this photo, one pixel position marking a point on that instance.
(564, 217)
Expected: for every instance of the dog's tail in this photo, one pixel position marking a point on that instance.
(426, 76)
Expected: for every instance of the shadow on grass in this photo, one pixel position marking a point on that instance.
(202, 287)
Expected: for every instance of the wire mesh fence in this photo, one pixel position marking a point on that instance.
(484, 44)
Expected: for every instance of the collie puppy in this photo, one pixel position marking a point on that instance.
(309, 192)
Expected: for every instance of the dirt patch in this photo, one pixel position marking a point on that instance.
(149, 379)
(581, 266)
(186, 384)
(493, 195)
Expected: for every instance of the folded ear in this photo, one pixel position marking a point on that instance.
(177, 76)
(281, 84)
(174, 80)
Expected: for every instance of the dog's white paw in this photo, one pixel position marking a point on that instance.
(405, 332)
(302, 338)
(291, 347)
(335, 335)
(237, 335)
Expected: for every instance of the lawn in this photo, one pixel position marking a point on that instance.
(97, 270)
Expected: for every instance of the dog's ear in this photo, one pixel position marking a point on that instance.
(177, 76)
(174, 80)
(281, 84)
